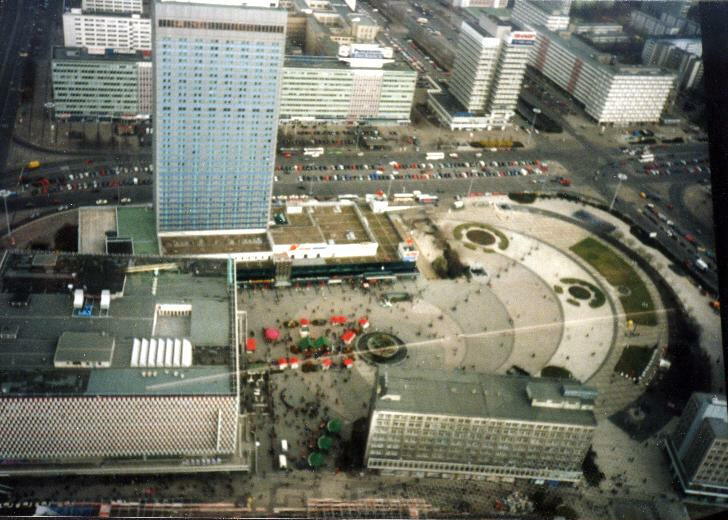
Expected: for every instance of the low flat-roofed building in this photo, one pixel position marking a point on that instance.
(446, 423)
(119, 365)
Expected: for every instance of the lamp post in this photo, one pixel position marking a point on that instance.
(470, 188)
(5, 194)
(621, 177)
(536, 112)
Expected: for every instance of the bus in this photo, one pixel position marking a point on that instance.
(313, 152)
(427, 199)
(434, 156)
(403, 197)
(348, 197)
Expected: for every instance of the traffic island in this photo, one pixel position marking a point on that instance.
(381, 348)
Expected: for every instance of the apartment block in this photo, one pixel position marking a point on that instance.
(101, 85)
(217, 78)
(552, 14)
(441, 423)
(490, 63)
(682, 55)
(120, 32)
(610, 92)
(698, 449)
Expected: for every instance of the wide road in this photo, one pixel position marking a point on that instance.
(16, 29)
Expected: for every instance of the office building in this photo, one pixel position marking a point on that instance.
(92, 85)
(101, 375)
(112, 6)
(466, 425)
(363, 83)
(490, 63)
(610, 92)
(552, 14)
(698, 449)
(217, 77)
(120, 32)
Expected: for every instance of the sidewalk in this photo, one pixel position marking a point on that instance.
(694, 302)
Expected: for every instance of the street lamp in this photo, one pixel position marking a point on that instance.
(536, 112)
(470, 188)
(621, 177)
(5, 194)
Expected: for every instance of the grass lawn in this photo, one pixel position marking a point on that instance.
(461, 229)
(620, 274)
(634, 360)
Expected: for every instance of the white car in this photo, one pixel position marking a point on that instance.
(125, 200)
(101, 202)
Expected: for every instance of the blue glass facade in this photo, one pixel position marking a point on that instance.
(216, 115)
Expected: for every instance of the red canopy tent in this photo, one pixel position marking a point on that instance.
(293, 361)
(364, 322)
(304, 322)
(338, 320)
(282, 363)
(326, 363)
(348, 336)
(348, 362)
(250, 345)
(271, 334)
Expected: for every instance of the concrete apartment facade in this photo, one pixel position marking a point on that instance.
(552, 14)
(120, 32)
(217, 78)
(107, 86)
(490, 63)
(698, 449)
(683, 55)
(611, 93)
(438, 423)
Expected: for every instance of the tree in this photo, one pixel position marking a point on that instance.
(66, 238)
(592, 473)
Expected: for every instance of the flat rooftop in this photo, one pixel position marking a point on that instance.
(332, 62)
(82, 54)
(216, 244)
(450, 103)
(455, 393)
(316, 224)
(139, 309)
(138, 224)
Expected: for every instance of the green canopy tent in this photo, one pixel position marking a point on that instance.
(316, 459)
(325, 443)
(305, 343)
(321, 342)
(334, 426)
